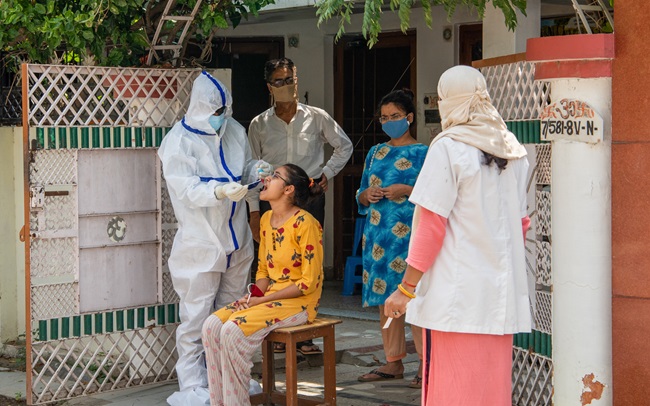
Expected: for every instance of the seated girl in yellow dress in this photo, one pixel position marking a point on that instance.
(289, 272)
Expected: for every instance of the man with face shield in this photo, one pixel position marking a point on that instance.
(292, 132)
(209, 169)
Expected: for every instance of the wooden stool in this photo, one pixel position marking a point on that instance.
(290, 336)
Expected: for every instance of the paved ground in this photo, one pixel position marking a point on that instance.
(358, 344)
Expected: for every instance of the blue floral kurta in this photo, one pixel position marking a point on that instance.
(388, 223)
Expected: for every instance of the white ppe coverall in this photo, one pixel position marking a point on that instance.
(213, 248)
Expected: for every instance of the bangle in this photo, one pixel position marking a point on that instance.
(405, 292)
(410, 285)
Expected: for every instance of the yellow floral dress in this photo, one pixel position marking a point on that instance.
(290, 254)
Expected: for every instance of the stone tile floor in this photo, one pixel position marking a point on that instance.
(358, 344)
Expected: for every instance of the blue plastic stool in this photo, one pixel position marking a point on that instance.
(350, 277)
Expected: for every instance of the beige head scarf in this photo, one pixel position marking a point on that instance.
(468, 115)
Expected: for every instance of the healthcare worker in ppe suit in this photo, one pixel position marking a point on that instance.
(208, 167)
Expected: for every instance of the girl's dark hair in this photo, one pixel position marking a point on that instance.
(403, 99)
(274, 64)
(501, 163)
(304, 193)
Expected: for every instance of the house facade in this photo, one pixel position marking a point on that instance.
(347, 79)
(625, 289)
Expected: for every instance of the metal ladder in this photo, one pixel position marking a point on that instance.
(593, 6)
(169, 42)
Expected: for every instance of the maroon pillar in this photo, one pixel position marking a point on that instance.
(631, 204)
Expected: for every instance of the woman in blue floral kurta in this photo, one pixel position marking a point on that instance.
(389, 174)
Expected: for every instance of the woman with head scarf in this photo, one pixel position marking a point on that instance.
(466, 282)
(208, 166)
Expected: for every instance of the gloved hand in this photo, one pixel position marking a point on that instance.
(264, 169)
(233, 191)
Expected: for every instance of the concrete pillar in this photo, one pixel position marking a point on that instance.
(499, 41)
(579, 68)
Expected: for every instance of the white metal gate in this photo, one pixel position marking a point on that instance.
(520, 99)
(101, 310)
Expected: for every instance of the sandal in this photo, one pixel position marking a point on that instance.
(279, 348)
(380, 376)
(308, 349)
(416, 383)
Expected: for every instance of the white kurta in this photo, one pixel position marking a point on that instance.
(478, 283)
(300, 142)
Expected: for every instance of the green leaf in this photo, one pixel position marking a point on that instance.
(40, 9)
(220, 21)
(242, 11)
(12, 33)
(139, 39)
(235, 19)
(426, 6)
(115, 57)
(74, 41)
(372, 11)
(10, 19)
(206, 25)
(405, 15)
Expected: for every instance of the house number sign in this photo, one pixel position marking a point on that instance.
(572, 120)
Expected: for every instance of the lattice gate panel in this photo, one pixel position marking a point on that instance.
(75, 353)
(520, 99)
(64, 369)
(66, 96)
(531, 379)
(80, 114)
(514, 91)
(53, 231)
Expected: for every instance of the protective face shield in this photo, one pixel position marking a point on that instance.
(397, 128)
(216, 121)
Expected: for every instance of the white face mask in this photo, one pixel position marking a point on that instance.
(286, 93)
